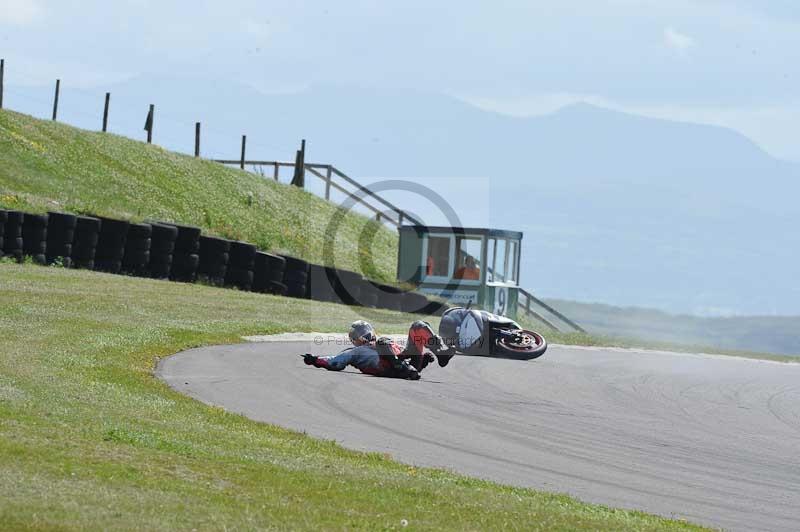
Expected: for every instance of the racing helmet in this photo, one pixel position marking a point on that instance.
(361, 330)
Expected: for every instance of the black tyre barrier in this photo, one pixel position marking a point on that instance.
(162, 244)
(211, 263)
(61, 221)
(159, 270)
(320, 287)
(260, 272)
(295, 273)
(211, 246)
(389, 297)
(108, 266)
(164, 250)
(242, 255)
(139, 231)
(12, 245)
(87, 239)
(184, 267)
(276, 267)
(348, 287)
(213, 259)
(13, 224)
(297, 290)
(295, 277)
(58, 253)
(294, 264)
(83, 249)
(239, 278)
(60, 237)
(136, 258)
(83, 264)
(268, 268)
(136, 263)
(368, 295)
(137, 245)
(414, 302)
(188, 240)
(161, 247)
(185, 258)
(276, 288)
(3, 218)
(34, 237)
(162, 238)
(84, 245)
(111, 245)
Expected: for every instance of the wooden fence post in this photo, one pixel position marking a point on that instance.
(105, 112)
(55, 100)
(328, 183)
(244, 145)
(2, 75)
(275, 171)
(148, 125)
(197, 139)
(400, 218)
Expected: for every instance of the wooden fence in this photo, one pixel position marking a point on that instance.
(335, 179)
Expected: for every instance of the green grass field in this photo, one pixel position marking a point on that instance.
(50, 166)
(90, 439)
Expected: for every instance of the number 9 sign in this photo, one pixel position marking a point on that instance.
(500, 300)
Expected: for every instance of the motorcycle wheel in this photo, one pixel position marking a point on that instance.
(525, 345)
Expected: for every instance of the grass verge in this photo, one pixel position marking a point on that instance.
(90, 439)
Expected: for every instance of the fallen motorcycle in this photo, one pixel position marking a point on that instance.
(481, 333)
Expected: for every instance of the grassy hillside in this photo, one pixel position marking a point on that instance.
(46, 165)
(89, 439)
(765, 334)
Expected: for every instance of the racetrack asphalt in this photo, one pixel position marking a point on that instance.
(711, 439)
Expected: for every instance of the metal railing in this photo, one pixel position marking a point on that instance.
(527, 300)
(329, 175)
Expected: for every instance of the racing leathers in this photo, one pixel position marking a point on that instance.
(385, 358)
(379, 358)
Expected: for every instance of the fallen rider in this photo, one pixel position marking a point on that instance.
(383, 357)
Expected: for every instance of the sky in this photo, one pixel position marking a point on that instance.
(734, 63)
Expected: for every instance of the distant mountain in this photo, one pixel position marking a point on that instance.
(616, 208)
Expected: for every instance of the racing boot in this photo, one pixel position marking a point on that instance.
(443, 352)
(402, 370)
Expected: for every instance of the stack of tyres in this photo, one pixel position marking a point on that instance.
(214, 254)
(185, 257)
(84, 245)
(368, 294)
(348, 287)
(162, 244)
(3, 218)
(34, 237)
(414, 302)
(12, 239)
(136, 259)
(295, 277)
(268, 273)
(60, 237)
(321, 283)
(389, 297)
(241, 262)
(111, 245)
